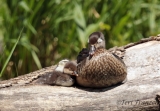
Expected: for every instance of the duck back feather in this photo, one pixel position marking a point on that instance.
(103, 69)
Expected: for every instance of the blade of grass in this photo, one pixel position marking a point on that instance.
(6, 62)
(36, 59)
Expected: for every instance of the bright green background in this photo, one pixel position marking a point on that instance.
(58, 29)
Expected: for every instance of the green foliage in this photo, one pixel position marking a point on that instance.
(9, 57)
(58, 29)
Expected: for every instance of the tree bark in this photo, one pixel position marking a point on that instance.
(138, 93)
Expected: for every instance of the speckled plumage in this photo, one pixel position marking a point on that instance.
(103, 69)
(64, 76)
(55, 78)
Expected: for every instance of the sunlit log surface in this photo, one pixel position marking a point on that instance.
(138, 93)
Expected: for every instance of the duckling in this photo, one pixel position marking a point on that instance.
(100, 68)
(62, 75)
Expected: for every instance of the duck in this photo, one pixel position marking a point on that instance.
(97, 67)
(63, 75)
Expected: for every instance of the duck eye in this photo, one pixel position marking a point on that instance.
(99, 40)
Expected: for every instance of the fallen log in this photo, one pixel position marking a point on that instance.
(138, 93)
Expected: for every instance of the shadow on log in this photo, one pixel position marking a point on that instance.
(138, 93)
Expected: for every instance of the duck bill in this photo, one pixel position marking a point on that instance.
(92, 50)
(69, 72)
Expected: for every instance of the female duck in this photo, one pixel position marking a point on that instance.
(100, 68)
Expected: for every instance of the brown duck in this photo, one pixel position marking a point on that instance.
(98, 67)
(62, 75)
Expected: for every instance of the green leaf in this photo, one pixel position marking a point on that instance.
(81, 36)
(36, 59)
(79, 16)
(24, 5)
(6, 62)
(29, 25)
(120, 25)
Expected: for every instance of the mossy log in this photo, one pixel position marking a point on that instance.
(138, 93)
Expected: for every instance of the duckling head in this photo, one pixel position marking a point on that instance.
(96, 40)
(67, 67)
(70, 68)
(61, 65)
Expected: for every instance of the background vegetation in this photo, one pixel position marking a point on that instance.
(58, 29)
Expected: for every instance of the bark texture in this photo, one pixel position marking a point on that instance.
(136, 94)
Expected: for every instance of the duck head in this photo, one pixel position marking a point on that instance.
(96, 40)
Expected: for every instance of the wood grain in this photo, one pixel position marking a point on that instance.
(137, 94)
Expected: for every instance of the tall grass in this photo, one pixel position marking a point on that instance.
(58, 29)
(11, 53)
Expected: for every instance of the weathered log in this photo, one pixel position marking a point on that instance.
(138, 93)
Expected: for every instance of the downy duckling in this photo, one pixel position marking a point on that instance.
(63, 75)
